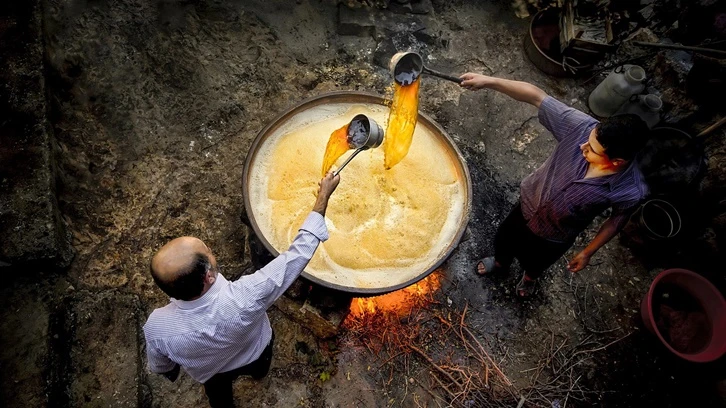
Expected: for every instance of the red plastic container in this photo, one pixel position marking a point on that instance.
(710, 300)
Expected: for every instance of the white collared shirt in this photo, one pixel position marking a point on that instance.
(228, 327)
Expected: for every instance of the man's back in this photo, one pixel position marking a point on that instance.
(224, 329)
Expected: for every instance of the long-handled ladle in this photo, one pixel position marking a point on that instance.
(406, 67)
(363, 134)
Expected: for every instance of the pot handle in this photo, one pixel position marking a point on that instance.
(566, 66)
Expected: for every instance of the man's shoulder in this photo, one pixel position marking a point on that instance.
(564, 121)
(156, 319)
(632, 186)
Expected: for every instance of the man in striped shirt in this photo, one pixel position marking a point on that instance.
(215, 329)
(591, 169)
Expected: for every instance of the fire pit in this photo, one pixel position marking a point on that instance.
(388, 228)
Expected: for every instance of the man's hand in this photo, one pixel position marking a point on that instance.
(579, 262)
(327, 185)
(472, 81)
(172, 374)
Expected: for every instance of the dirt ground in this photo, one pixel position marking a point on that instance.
(154, 106)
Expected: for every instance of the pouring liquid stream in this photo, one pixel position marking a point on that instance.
(336, 147)
(401, 123)
(399, 129)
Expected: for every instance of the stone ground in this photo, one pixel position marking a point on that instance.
(154, 106)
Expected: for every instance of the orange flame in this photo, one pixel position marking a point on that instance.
(400, 302)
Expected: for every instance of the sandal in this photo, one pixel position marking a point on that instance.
(525, 287)
(490, 266)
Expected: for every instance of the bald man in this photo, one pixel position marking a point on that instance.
(215, 329)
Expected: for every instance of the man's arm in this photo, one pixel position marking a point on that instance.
(608, 230)
(326, 187)
(271, 281)
(161, 364)
(521, 91)
(617, 220)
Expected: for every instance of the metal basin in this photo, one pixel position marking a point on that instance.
(265, 166)
(541, 45)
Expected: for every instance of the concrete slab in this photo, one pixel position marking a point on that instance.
(98, 351)
(23, 346)
(32, 228)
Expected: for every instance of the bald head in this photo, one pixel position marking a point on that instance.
(180, 268)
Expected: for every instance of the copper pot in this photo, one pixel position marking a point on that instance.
(383, 282)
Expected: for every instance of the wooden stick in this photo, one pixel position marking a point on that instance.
(433, 364)
(463, 314)
(494, 365)
(679, 47)
(391, 358)
(712, 127)
(451, 394)
(600, 348)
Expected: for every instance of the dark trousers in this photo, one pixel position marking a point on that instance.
(514, 239)
(219, 387)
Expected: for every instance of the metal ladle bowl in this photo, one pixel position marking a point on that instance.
(406, 67)
(363, 134)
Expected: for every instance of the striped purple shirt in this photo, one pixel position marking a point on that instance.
(557, 201)
(228, 327)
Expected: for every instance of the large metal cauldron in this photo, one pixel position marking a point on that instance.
(384, 282)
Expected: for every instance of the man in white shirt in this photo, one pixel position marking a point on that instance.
(215, 329)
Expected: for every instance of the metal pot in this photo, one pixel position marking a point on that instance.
(659, 219)
(547, 22)
(387, 282)
(670, 160)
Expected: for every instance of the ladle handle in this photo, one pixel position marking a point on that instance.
(442, 75)
(358, 150)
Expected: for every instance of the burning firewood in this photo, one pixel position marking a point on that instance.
(415, 330)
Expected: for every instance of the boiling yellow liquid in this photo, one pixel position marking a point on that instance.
(401, 122)
(383, 224)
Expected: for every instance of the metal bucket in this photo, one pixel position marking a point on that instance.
(659, 219)
(329, 101)
(544, 28)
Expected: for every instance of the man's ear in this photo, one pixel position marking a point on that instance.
(619, 162)
(209, 277)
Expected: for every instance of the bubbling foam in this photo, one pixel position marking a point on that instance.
(386, 226)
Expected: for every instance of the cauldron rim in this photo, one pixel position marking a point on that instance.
(355, 97)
